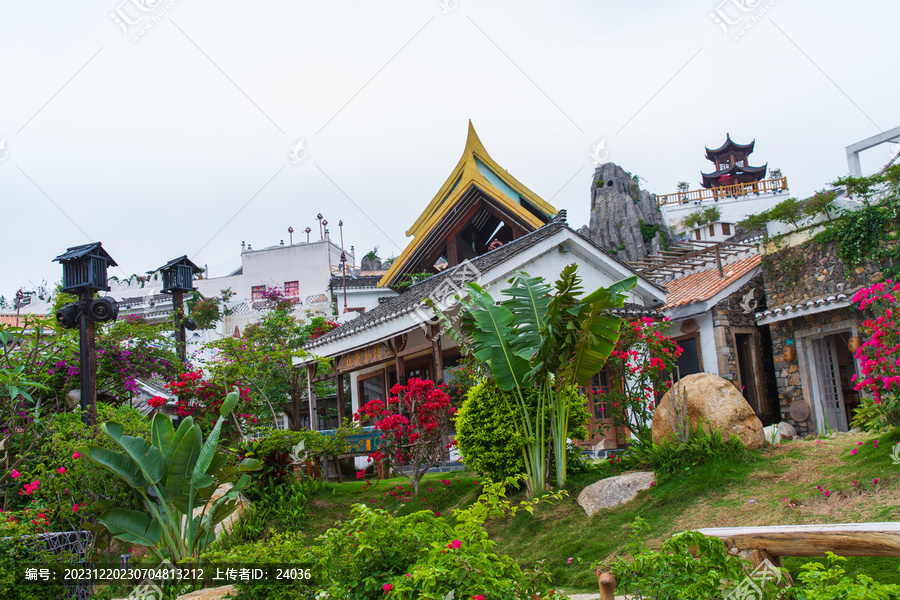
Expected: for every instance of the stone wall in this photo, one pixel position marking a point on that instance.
(736, 310)
(797, 274)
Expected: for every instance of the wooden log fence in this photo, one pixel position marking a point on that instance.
(759, 544)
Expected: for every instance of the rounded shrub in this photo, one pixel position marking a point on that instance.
(486, 433)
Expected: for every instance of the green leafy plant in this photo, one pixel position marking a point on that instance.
(547, 341)
(486, 435)
(673, 457)
(818, 581)
(688, 565)
(173, 474)
(787, 211)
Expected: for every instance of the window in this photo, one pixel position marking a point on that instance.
(726, 229)
(371, 388)
(281, 422)
(292, 289)
(257, 292)
(712, 230)
(697, 233)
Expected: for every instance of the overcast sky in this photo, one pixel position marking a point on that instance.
(164, 128)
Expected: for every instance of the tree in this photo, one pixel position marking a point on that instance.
(787, 211)
(638, 370)
(548, 341)
(413, 422)
(263, 358)
(174, 473)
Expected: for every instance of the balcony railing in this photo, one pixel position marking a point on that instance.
(738, 189)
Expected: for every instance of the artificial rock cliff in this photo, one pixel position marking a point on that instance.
(625, 219)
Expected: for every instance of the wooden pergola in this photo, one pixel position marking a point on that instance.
(687, 256)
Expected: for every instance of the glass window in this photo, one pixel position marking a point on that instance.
(726, 229)
(291, 289)
(257, 291)
(371, 388)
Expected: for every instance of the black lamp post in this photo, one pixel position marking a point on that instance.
(178, 278)
(84, 274)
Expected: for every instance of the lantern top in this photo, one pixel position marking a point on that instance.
(178, 275)
(94, 249)
(181, 260)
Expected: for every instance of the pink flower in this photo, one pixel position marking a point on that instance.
(853, 483)
(61, 470)
(437, 514)
(853, 451)
(360, 474)
(75, 456)
(478, 597)
(386, 587)
(14, 474)
(827, 493)
(875, 481)
(75, 508)
(455, 545)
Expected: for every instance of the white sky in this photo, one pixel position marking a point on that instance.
(179, 143)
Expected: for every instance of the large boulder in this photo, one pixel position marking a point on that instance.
(613, 491)
(713, 399)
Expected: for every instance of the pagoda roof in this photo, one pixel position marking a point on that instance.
(475, 173)
(735, 171)
(729, 146)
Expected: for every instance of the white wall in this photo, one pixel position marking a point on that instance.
(732, 209)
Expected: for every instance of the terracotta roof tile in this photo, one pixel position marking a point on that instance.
(698, 287)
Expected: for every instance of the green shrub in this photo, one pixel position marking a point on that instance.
(486, 435)
(414, 556)
(80, 482)
(688, 565)
(672, 457)
(278, 508)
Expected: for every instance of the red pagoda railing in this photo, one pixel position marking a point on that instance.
(738, 189)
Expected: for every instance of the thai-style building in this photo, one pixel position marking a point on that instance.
(482, 226)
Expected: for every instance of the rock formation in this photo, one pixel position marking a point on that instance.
(613, 491)
(713, 399)
(625, 219)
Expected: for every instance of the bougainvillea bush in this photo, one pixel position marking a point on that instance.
(413, 423)
(879, 356)
(638, 369)
(202, 398)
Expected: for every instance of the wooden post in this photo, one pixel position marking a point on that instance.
(311, 390)
(177, 308)
(340, 398)
(88, 363)
(434, 337)
(607, 586)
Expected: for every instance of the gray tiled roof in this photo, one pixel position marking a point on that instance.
(410, 300)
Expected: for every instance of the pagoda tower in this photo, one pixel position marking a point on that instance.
(732, 165)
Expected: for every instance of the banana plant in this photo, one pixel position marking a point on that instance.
(548, 341)
(175, 474)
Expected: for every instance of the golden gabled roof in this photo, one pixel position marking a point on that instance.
(464, 176)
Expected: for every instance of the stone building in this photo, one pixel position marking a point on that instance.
(812, 320)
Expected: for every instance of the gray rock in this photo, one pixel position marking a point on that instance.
(613, 491)
(618, 205)
(786, 431)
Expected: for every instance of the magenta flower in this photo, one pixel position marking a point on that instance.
(455, 545)
(14, 474)
(875, 481)
(853, 451)
(386, 587)
(76, 456)
(61, 470)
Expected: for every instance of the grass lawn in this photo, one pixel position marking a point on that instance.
(777, 486)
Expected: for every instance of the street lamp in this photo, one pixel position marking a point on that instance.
(178, 278)
(84, 274)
